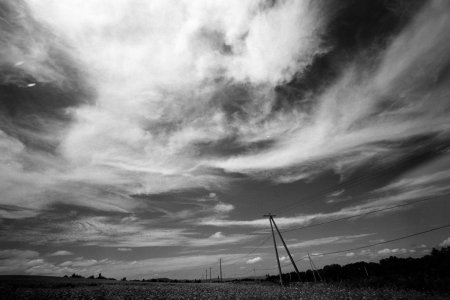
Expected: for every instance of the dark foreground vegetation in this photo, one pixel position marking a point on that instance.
(429, 274)
(427, 277)
(49, 288)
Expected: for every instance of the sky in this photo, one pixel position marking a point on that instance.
(147, 139)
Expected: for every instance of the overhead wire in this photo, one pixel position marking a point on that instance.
(380, 171)
(378, 243)
(366, 246)
(365, 213)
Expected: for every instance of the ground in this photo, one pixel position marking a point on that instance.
(73, 288)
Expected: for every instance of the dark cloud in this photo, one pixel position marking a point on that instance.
(355, 30)
(39, 80)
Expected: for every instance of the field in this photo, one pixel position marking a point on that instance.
(28, 287)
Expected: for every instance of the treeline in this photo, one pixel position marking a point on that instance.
(429, 273)
(74, 275)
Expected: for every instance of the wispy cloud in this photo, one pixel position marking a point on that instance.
(153, 116)
(162, 82)
(124, 249)
(430, 180)
(445, 243)
(388, 251)
(61, 253)
(107, 232)
(254, 260)
(398, 192)
(354, 119)
(12, 260)
(29, 262)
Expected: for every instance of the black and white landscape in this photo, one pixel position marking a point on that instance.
(148, 139)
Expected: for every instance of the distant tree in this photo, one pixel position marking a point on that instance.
(124, 279)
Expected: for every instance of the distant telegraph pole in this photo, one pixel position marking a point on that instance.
(220, 267)
(314, 268)
(210, 274)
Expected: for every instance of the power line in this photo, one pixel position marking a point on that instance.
(383, 242)
(349, 184)
(366, 246)
(251, 252)
(365, 213)
(339, 251)
(313, 196)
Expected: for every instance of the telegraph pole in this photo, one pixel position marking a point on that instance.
(312, 268)
(206, 275)
(220, 267)
(209, 274)
(275, 245)
(317, 271)
(287, 250)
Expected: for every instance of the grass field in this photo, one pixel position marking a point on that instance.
(28, 287)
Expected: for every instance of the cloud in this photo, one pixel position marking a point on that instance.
(61, 253)
(445, 243)
(151, 111)
(285, 259)
(396, 196)
(124, 249)
(337, 197)
(223, 208)
(174, 267)
(107, 232)
(219, 238)
(218, 235)
(366, 110)
(429, 181)
(141, 129)
(388, 251)
(179, 80)
(254, 260)
(14, 261)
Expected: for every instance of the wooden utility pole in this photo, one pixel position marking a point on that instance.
(317, 271)
(287, 250)
(206, 274)
(313, 266)
(210, 274)
(275, 245)
(220, 267)
(367, 273)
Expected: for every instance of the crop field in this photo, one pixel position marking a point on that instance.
(58, 288)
